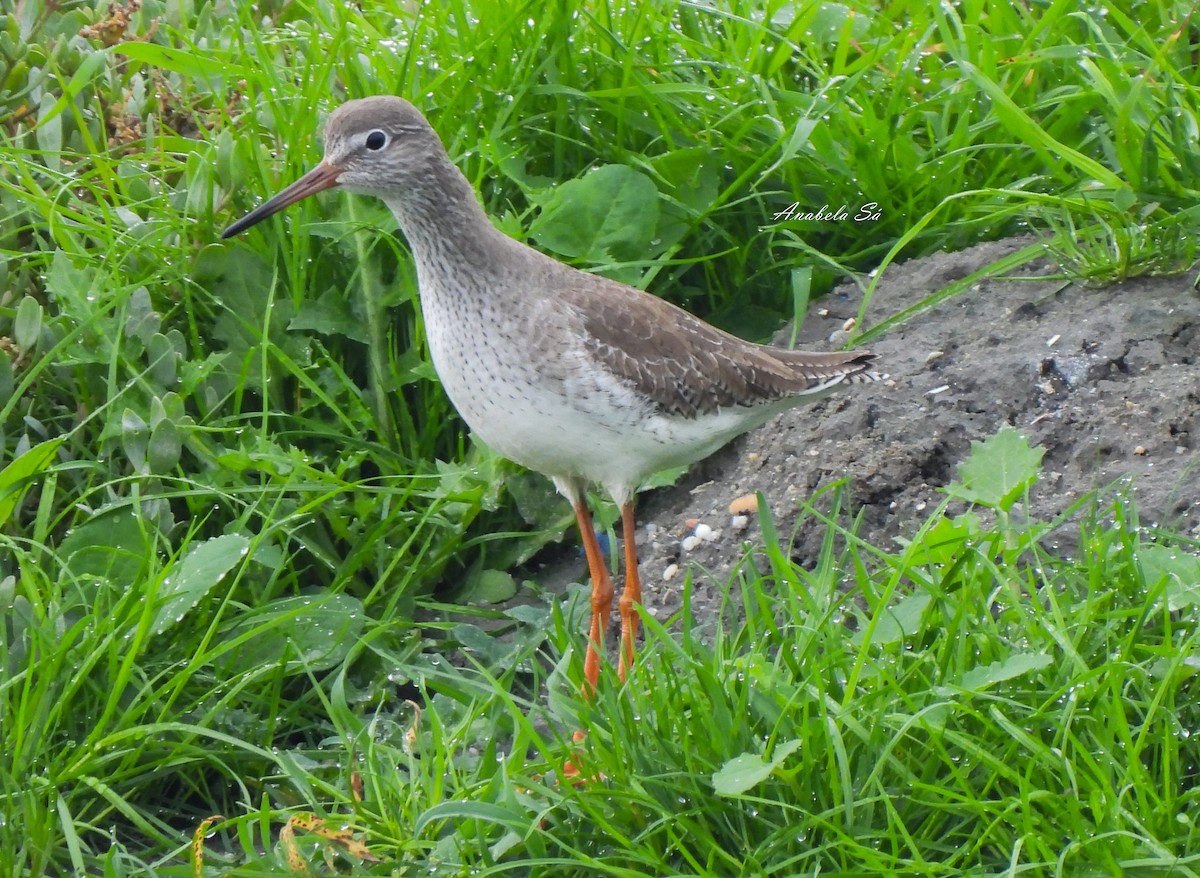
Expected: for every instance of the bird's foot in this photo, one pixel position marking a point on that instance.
(572, 771)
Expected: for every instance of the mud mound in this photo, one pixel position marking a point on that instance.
(1107, 381)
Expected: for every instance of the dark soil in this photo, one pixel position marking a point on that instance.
(1106, 380)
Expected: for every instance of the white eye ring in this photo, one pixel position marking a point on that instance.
(376, 140)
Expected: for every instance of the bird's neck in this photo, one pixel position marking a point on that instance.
(448, 231)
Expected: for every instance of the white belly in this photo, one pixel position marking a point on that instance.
(584, 425)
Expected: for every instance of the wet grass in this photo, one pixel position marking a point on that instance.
(230, 483)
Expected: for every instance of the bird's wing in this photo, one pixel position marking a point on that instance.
(689, 368)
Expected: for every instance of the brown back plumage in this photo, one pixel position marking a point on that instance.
(690, 368)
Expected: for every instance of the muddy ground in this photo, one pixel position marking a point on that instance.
(1106, 380)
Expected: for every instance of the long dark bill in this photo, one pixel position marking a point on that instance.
(323, 176)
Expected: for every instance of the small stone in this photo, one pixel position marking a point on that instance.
(849, 324)
(933, 356)
(1140, 451)
(691, 523)
(739, 522)
(704, 532)
(670, 572)
(744, 504)
(690, 542)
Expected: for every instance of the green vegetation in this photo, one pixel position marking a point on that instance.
(229, 480)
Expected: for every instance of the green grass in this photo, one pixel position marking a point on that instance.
(229, 479)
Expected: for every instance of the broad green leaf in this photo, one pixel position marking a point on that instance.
(742, 773)
(980, 678)
(163, 360)
(243, 282)
(141, 321)
(329, 315)
(158, 412)
(164, 447)
(480, 644)
(998, 471)
(49, 132)
(135, 435)
(18, 476)
(1180, 569)
(194, 575)
(68, 284)
(690, 180)
(530, 614)
(488, 587)
(113, 545)
(171, 406)
(832, 20)
(227, 162)
(21, 622)
(27, 325)
(942, 542)
(895, 623)
(608, 215)
(310, 632)
(664, 478)
(49, 128)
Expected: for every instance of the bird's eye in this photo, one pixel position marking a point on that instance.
(377, 140)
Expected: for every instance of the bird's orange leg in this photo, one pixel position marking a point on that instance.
(632, 595)
(602, 595)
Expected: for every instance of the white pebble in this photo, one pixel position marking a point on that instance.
(690, 542)
(704, 532)
(670, 572)
(739, 522)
